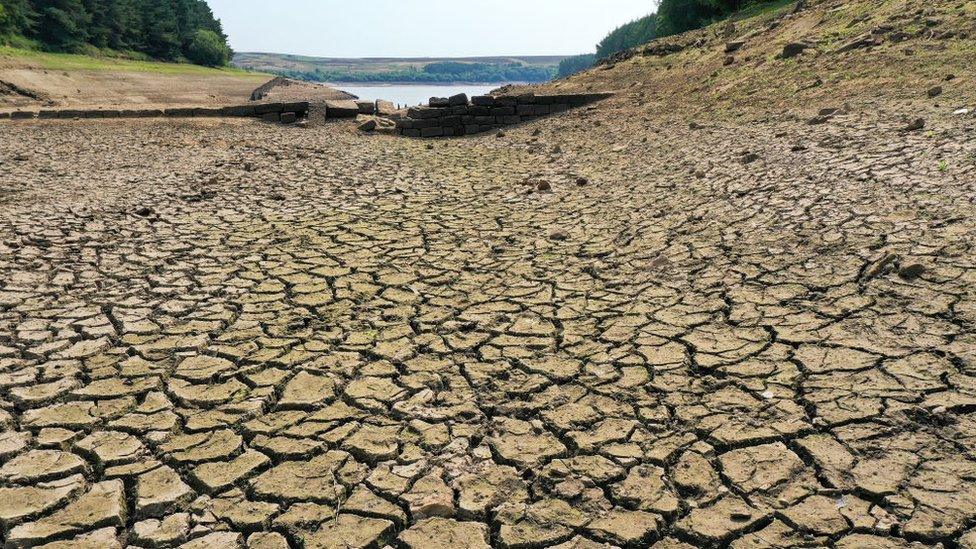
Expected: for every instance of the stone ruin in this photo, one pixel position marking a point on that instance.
(455, 116)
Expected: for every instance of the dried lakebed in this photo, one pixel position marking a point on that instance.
(218, 333)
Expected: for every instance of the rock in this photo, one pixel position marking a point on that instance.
(368, 126)
(385, 108)
(458, 100)
(582, 181)
(748, 158)
(438, 102)
(366, 107)
(288, 118)
(734, 46)
(441, 533)
(729, 60)
(915, 125)
(544, 186)
(911, 272)
(558, 236)
(500, 134)
(144, 211)
(794, 49)
(341, 109)
(102, 505)
(934, 91)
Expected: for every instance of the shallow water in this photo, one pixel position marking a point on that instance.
(413, 95)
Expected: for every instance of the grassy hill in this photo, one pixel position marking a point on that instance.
(416, 69)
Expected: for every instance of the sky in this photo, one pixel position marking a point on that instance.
(423, 28)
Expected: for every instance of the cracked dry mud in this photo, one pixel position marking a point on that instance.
(222, 333)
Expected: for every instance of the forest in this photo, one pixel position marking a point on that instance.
(165, 30)
(433, 73)
(672, 17)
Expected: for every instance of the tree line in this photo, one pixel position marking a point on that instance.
(167, 30)
(672, 17)
(433, 73)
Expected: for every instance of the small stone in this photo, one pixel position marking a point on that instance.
(544, 186)
(915, 125)
(794, 49)
(368, 126)
(911, 272)
(500, 135)
(934, 91)
(749, 158)
(582, 181)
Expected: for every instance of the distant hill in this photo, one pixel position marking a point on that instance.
(503, 69)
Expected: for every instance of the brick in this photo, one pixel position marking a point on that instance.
(432, 132)
(22, 115)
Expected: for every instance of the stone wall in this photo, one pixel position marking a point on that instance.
(458, 116)
(272, 112)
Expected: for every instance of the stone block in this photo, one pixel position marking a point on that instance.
(479, 111)
(300, 107)
(508, 119)
(432, 132)
(47, 114)
(459, 109)
(289, 118)
(559, 107)
(485, 119)
(483, 101)
(439, 102)
(459, 99)
(506, 101)
(470, 129)
(503, 111)
(178, 112)
(385, 108)
(4, 116)
(366, 107)
(450, 132)
(341, 109)
(265, 108)
(526, 99)
(271, 117)
(239, 110)
(22, 115)
(409, 132)
(70, 113)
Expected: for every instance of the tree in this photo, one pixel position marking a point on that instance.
(627, 36)
(62, 24)
(208, 48)
(16, 17)
(575, 64)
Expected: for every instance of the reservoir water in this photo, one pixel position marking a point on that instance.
(406, 95)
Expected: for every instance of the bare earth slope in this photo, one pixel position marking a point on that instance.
(720, 326)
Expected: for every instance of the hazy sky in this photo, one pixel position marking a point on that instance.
(429, 28)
